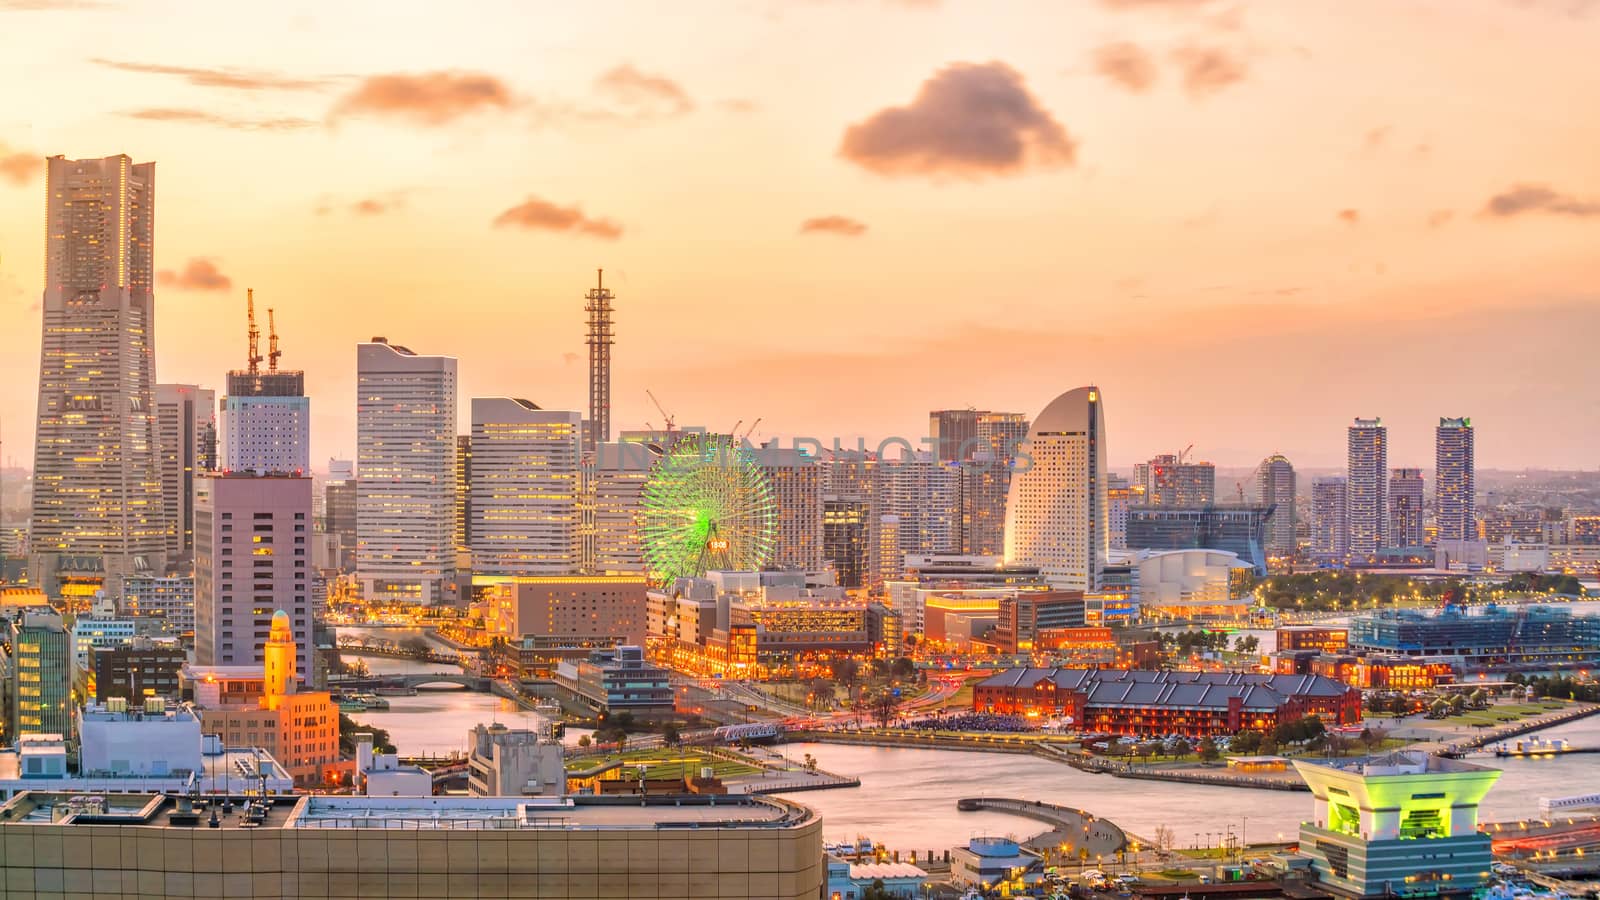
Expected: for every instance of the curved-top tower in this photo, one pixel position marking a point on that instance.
(278, 657)
(1056, 515)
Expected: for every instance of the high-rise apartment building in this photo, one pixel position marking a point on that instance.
(796, 480)
(463, 532)
(406, 459)
(925, 495)
(97, 511)
(1405, 508)
(1367, 488)
(266, 415)
(1056, 513)
(614, 477)
(252, 558)
(525, 488)
(186, 435)
(1329, 532)
(1002, 432)
(1454, 484)
(953, 433)
(1274, 486)
(981, 524)
(1120, 498)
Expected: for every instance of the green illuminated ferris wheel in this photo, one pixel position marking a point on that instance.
(707, 506)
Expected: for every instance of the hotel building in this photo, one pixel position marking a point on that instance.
(524, 489)
(1056, 510)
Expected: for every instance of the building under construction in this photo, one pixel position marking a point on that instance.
(266, 415)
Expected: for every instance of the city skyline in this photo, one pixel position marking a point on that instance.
(887, 260)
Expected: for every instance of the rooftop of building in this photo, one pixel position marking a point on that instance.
(1398, 762)
(1193, 690)
(239, 765)
(581, 812)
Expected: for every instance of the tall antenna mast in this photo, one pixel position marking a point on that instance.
(254, 360)
(272, 343)
(598, 305)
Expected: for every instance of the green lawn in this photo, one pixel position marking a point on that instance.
(668, 763)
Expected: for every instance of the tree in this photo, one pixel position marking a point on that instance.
(904, 668)
(1149, 749)
(1246, 742)
(1178, 747)
(880, 667)
(1208, 750)
(820, 694)
(670, 735)
(349, 727)
(876, 891)
(1247, 644)
(584, 741)
(845, 671)
(885, 707)
(1373, 737)
(1164, 838)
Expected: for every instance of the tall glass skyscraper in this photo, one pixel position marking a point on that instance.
(406, 465)
(97, 513)
(1455, 509)
(1275, 487)
(1367, 488)
(1056, 513)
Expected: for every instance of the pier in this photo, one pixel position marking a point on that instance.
(1079, 829)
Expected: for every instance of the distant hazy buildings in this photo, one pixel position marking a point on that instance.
(1329, 534)
(406, 457)
(252, 558)
(524, 488)
(1405, 508)
(97, 509)
(1367, 488)
(1169, 481)
(186, 433)
(1056, 511)
(1455, 505)
(1274, 486)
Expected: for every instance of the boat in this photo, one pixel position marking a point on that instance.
(1533, 747)
(373, 701)
(395, 691)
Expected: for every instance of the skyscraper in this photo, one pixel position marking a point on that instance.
(925, 494)
(597, 304)
(844, 538)
(525, 488)
(463, 528)
(1454, 485)
(953, 433)
(1056, 512)
(406, 460)
(186, 435)
(252, 557)
(266, 415)
(1367, 488)
(613, 497)
(1169, 481)
(97, 513)
(1405, 508)
(1329, 533)
(796, 480)
(1274, 486)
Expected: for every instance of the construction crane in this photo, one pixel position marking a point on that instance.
(672, 424)
(272, 343)
(254, 359)
(1185, 454)
(746, 436)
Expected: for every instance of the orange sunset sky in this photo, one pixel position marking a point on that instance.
(1247, 221)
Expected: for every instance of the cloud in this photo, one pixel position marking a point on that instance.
(1440, 217)
(1537, 198)
(738, 105)
(199, 274)
(1126, 64)
(968, 119)
(539, 214)
(234, 79)
(429, 98)
(840, 225)
(1156, 4)
(1207, 70)
(50, 5)
(377, 206)
(19, 168)
(643, 92)
(203, 117)
(1375, 138)
(1350, 216)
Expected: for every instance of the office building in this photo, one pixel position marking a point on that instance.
(845, 524)
(266, 415)
(463, 529)
(97, 512)
(1120, 498)
(924, 577)
(252, 556)
(1491, 639)
(1454, 480)
(1056, 510)
(525, 489)
(579, 609)
(1171, 481)
(1240, 530)
(503, 762)
(614, 477)
(36, 674)
(1329, 534)
(1405, 508)
(1023, 620)
(1001, 433)
(618, 680)
(138, 669)
(1366, 497)
(169, 600)
(262, 705)
(953, 434)
(406, 456)
(339, 512)
(1274, 486)
(92, 632)
(796, 480)
(675, 847)
(186, 435)
(1400, 825)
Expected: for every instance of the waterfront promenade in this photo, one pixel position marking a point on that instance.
(1074, 831)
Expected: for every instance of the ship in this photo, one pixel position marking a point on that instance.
(1533, 747)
